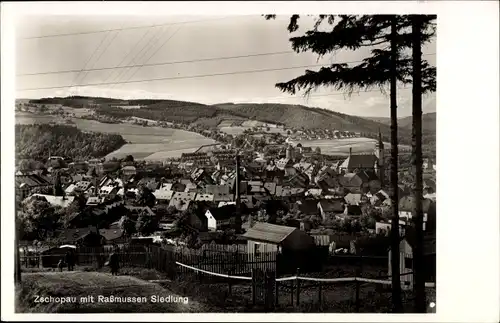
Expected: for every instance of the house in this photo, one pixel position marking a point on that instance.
(88, 236)
(352, 211)
(428, 210)
(70, 189)
(83, 186)
(353, 199)
(221, 193)
(330, 207)
(94, 200)
(108, 191)
(182, 200)
(220, 217)
(266, 237)
(379, 198)
(61, 201)
(26, 183)
(406, 246)
(384, 228)
(113, 236)
(163, 195)
(204, 198)
(295, 246)
(308, 207)
(129, 171)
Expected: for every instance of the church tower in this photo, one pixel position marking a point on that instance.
(379, 152)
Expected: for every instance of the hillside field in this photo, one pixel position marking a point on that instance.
(144, 142)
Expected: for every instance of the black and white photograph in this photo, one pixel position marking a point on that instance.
(228, 163)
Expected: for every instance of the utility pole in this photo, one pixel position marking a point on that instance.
(419, 277)
(237, 193)
(395, 254)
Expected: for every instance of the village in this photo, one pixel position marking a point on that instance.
(290, 200)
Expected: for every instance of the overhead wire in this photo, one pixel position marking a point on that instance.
(179, 62)
(125, 28)
(155, 52)
(145, 48)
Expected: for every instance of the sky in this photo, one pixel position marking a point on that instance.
(194, 47)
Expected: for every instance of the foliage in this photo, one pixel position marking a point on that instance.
(36, 141)
(127, 225)
(37, 218)
(145, 197)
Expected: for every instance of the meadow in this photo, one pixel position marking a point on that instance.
(151, 143)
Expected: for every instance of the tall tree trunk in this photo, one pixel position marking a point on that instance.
(418, 255)
(17, 273)
(395, 239)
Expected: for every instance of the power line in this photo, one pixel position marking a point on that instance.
(178, 62)
(124, 58)
(177, 77)
(156, 51)
(102, 53)
(90, 58)
(128, 28)
(141, 53)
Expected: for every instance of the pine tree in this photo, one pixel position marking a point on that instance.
(389, 62)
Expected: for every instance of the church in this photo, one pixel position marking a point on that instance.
(366, 162)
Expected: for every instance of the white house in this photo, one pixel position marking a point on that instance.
(219, 217)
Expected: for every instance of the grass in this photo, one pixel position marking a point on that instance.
(82, 284)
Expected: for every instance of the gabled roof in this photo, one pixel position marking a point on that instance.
(62, 201)
(308, 207)
(353, 199)
(73, 235)
(331, 205)
(360, 161)
(268, 232)
(140, 209)
(353, 210)
(223, 213)
(111, 234)
(163, 194)
(406, 204)
(32, 180)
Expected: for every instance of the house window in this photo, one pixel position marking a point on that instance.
(256, 250)
(408, 263)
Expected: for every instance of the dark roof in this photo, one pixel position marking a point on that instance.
(331, 205)
(32, 180)
(406, 204)
(73, 235)
(223, 213)
(309, 207)
(367, 176)
(360, 161)
(217, 189)
(354, 210)
(268, 232)
(111, 234)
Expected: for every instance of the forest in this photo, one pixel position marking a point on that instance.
(39, 140)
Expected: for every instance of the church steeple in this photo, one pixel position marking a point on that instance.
(379, 152)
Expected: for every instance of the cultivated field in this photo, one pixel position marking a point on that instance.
(341, 146)
(151, 143)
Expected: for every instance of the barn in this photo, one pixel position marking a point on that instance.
(294, 248)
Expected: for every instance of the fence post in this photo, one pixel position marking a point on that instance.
(320, 292)
(253, 285)
(298, 287)
(291, 291)
(230, 284)
(276, 291)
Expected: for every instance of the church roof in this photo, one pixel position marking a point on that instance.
(360, 161)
